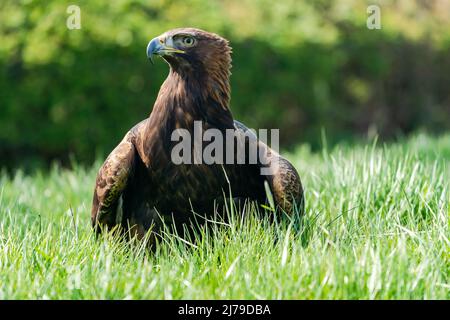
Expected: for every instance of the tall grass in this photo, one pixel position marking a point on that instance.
(376, 227)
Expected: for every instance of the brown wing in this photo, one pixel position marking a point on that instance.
(286, 186)
(282, 177)
(111, 180)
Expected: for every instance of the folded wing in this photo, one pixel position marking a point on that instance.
(111, 181)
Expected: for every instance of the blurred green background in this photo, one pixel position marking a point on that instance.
(306, 67)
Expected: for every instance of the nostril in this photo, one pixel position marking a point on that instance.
(161, 41)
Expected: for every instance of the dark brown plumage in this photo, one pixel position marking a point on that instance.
(139, 186)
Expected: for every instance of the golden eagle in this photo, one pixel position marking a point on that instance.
(139, 187)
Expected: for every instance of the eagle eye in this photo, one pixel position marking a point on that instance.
(188, 41)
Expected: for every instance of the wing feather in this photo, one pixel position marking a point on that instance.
(111, 181)
(284, 181)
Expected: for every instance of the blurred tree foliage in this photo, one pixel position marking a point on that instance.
(298, 65)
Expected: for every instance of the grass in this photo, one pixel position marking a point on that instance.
(376, 227)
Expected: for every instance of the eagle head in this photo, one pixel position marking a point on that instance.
(189, 50)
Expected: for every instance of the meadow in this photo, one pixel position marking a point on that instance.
(376, 227)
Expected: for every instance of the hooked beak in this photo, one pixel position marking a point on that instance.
(158, 46)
